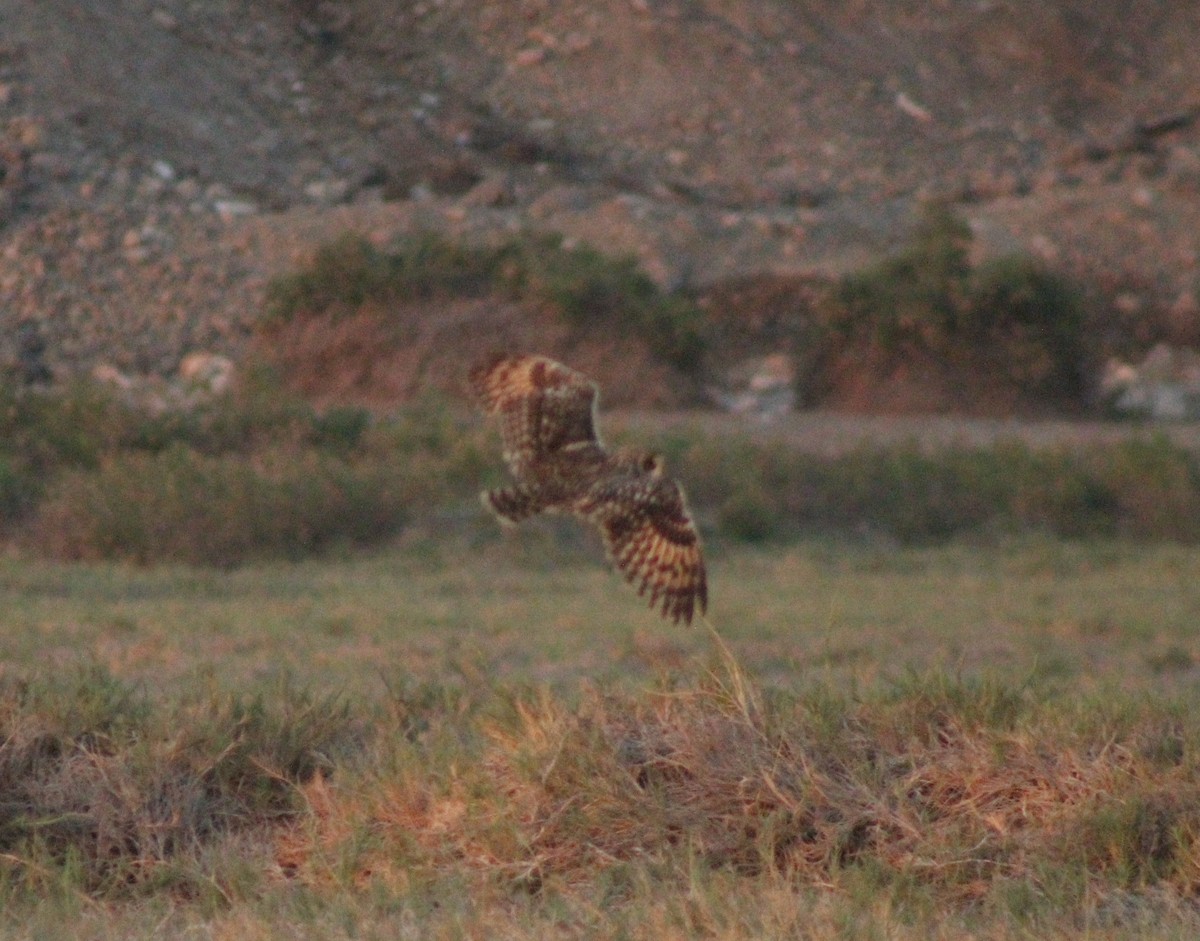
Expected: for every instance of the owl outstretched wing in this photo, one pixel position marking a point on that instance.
(651, 538)
(543, 406)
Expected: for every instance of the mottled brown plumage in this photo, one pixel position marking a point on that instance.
(547, 415)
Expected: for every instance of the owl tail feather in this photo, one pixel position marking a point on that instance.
(511, 504)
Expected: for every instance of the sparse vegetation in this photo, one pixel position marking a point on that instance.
(349, 271)
(1145, 488)
(391, 742)
(592, 290)
(1011, 315)
(259, 473)
(589, 289)
(108, 794)
(256, 473)
(969, 802)
(186, 506)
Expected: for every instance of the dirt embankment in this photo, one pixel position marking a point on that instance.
(160, 160)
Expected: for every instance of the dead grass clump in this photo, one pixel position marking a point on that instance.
(688, 773)
(954, 793)
(935, 796)
(104, 792)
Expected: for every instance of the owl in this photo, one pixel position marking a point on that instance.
(547, 415)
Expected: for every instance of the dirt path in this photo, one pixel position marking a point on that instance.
(831, 433)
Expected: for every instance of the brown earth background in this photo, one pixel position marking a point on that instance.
(161, 161)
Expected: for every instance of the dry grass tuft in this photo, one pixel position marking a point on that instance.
(946, 794)
(656, 806)
(102, 791)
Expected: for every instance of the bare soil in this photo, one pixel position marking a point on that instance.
(161, 160)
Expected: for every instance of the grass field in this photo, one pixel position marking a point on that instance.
(474, 735)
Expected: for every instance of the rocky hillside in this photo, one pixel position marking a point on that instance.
(160, 160)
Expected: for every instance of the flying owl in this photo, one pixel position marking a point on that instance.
(547, 415)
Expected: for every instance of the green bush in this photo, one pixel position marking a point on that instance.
(592, 289)
(73, 426)
(349, 271)
(586, 287)
(917, 295)
(1141, 488)
(82, 427)
(220, 510)
(1011, 313)
(18, 488)
(1035, 315)
(262, 474)
(749, 516)
(257, 472)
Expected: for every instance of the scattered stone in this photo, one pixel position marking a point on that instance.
(491, 191)
(534, 55)
(912, 109)
(206, 372)
(1164, 386)
(108, 374)
(764, 387)
(726, 152)
(230, 209)
(328, 192)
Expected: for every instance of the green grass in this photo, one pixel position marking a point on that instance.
(261, 474)
(539, 605)
(481, 736)
(256, 473)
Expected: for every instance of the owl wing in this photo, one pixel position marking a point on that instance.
(651, 538)
(543, 406)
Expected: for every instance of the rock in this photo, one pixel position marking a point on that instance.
(763, 386)
(230, 209)
(206, 372)
(1164, 386)
(108, 374)
(327, 191)
(491, 191)
(534, 55)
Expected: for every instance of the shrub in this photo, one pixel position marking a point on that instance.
(1145, 489)
(349, 271)
(586, 287)
(72, 426)
(81, 427)
(343, 272)
(105, 789)
(1035, 315)
(1010, 314)
(748, 516)
(592, 289)
(18, 488)
(915, 296)
(220, 510)
(1154, 488)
